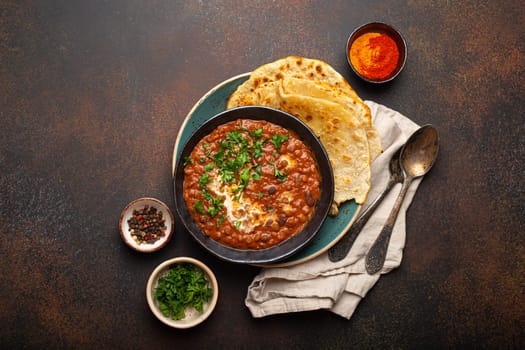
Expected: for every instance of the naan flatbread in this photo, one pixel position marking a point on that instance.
(322, 90)
(293, 67)
(344, 139)
(319, 96)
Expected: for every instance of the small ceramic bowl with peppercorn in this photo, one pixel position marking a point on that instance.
(376, 52)
(146, 224)
(182, 292)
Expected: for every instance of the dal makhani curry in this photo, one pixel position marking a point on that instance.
(251, 184)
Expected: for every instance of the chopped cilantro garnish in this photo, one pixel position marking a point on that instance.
(207, 195)
(227, 176)
(219, 158)
(242, 158)
(204, 180)
(184, 286)
(257, 149)
(221, 219)
(216, 206)
(198, 207)
(256, 175)
(244, 177)
(213, 211)
(235, 136)
(277, 140)
(279, 174)
(209, 166)
(256, 133)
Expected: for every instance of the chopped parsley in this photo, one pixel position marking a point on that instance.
(204, 180)
(198, 207)
(236, 155)
(279, 174)
(257, 149)
(209, 166)
(256, 175)
(256, 133)
(278, 140)
(221, 219)
(215, 206)
(184, 286)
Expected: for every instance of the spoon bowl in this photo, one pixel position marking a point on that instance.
(417, 157)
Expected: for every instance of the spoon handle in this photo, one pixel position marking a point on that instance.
(341, 248)
(375, 258)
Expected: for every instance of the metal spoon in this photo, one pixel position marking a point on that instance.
(417, 158)
(341, 248)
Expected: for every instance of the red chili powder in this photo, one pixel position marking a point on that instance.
(374, 55)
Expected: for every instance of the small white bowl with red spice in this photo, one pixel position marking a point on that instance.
(376, 52)
(146, 224)
(182, 292)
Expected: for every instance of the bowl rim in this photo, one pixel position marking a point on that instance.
(146, 248)
(380, 27)
(292, 244)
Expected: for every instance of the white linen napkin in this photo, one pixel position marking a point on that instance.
(340, 286)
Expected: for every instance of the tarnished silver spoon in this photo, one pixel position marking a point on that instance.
(417, 157)
(340, 250)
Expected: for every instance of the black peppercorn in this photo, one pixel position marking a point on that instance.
(147, 225)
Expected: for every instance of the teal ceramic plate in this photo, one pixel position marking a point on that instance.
(214, 102)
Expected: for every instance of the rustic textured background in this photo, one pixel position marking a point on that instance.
(92, 94)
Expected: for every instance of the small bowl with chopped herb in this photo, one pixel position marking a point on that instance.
(146, 224)
(182, 292)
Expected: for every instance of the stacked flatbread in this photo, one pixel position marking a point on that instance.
(314, 92)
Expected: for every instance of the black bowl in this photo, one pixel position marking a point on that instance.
(287, 247)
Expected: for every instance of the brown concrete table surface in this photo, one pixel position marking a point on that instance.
(92, 95)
